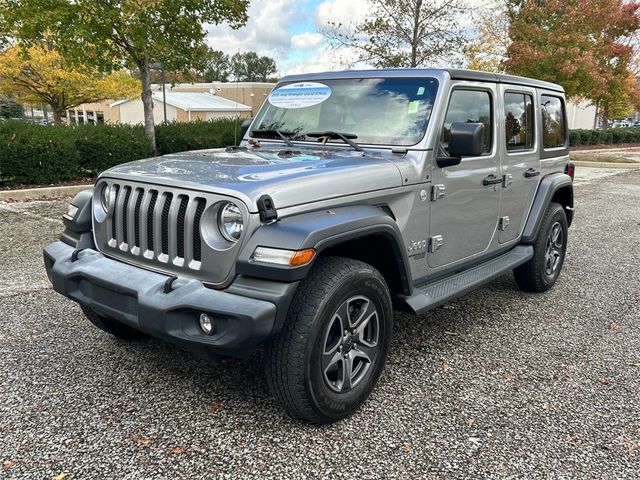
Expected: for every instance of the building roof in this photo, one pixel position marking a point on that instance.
(201, 102)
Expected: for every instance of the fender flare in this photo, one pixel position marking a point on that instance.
(546, 191)
(320, 230)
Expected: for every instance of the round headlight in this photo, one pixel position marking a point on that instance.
(230, 222)
(104, 197)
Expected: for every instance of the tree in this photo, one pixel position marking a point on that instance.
(580, 44)
(488, 50)
(404, 33)
(9, 108)
(41, 74)
(118, 34)
(249, 67)
(217, 67)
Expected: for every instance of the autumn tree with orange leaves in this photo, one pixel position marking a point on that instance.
(584, 45)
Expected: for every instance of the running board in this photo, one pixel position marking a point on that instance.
(433, 294)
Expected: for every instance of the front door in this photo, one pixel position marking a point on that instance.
(466, 198)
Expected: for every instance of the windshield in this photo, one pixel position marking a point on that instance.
(378, 111)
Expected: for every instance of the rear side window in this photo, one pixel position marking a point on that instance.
(553, 122)
(470, 106)
(518, 109)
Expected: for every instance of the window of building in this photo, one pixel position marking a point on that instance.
(470, 106)
(518, 108)
(553, 122)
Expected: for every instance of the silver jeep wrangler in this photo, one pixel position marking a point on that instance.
(351, 194)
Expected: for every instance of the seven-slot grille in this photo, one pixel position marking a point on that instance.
(159, 225)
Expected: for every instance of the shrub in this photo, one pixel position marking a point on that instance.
(103, 146)
(37, 154)
(180, 137)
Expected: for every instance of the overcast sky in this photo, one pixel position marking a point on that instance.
(287, 30)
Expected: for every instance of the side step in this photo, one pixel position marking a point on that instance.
(433, 294)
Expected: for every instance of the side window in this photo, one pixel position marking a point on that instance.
(553, 130)
(518, 108)
(470, 106)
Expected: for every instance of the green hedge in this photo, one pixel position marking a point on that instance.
(45, 154)
(181, 137)
(611, 136)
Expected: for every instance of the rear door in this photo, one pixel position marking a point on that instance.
(520, 159)
(464, 211)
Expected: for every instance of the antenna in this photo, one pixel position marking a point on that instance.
(235, 128)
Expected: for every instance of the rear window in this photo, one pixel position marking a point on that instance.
(553, 122)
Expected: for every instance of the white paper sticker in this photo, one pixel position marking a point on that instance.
(300, 95)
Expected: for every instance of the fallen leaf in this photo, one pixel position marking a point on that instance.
(145, 442)
(571, 440)
(509, 377)
(614, 327)
(445, 367)
(604, 381)
(8, 463)
(178, 451)
(631, 446)
(215, 407)
(416, 341)
(408, 447)
(545, 407)
(470, 421)
(62, 476)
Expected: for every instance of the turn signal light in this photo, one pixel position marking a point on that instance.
(302, 257)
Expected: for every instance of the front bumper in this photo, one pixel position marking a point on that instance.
(136, 297)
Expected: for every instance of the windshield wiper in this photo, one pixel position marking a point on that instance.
(283, 134)
(346, 137)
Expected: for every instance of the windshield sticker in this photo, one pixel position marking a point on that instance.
(420, 91)
(300, 95)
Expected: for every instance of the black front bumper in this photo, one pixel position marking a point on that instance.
(136, 297)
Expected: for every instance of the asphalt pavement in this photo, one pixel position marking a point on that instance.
(498, 384)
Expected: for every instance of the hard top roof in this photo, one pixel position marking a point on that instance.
(455, 74)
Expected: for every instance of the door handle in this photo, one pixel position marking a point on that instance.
(531, 172)
(491, 180)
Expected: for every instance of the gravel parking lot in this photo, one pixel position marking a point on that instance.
(499, 384)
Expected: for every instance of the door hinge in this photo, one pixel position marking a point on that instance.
(503, 223)
(437, 192)
(435, 243)
(507, 180)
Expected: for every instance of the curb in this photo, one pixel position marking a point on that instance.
(35, 193)
(629, 166)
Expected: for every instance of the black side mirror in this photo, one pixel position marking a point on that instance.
(465, 140)
(246, 123)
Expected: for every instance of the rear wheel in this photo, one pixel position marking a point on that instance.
(541, 272)
(329, 355)
(112, 327)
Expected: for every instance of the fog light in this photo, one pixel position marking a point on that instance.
(206, 323)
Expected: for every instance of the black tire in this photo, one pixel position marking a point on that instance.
(294, 359)
(112, 327)
(536, 275)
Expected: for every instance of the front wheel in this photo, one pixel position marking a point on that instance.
(541, 272)
(332, 349)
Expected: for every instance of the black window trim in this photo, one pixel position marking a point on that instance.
(532, 95)
(492, 116)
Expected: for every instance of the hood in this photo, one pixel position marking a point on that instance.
(291, 176)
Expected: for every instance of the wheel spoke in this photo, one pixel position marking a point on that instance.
(364, 351)
(330, 359)
(342, 314)
(347, 372)
(364, 312)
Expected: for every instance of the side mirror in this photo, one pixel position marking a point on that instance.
(246, 123)
(465, 140)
